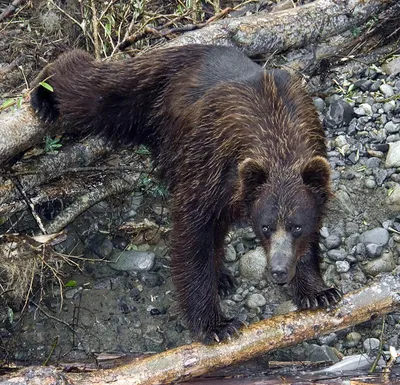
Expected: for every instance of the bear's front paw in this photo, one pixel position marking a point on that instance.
(323, 299)
(224, 331)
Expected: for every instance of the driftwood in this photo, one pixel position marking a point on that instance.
(268, 33)
(185, 362)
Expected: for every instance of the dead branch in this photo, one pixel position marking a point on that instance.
(288, 29)
(110, 186)
(185, 362)
(48, 167)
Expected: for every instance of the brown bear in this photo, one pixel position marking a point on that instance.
(232, 140)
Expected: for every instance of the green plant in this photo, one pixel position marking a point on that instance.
(52, 145)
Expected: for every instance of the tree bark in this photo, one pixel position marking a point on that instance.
(269, 33)
(185, 362)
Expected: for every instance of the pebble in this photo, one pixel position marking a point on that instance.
(384, 264)
(253, 264)
(379, 236)
(131, 260)
(342, 266)
(387, 90)
(353, 338)
(393, 200)
(339, 114)
(373, 250)
(391, 127)
(332, 242)
(393, 155)
(337, 254)
(254, 301)
(371, 344)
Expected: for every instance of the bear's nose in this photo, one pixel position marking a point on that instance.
(280, 275)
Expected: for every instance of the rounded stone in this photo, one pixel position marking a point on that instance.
(387, 90)
(371, 344)
(332, 242)
(337, 255)
(253, 264)
(131, 260)
(379, 236)
(342, 266)
(256, 300)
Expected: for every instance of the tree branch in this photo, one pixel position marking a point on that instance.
(380, 297)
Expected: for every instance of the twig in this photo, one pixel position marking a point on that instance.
(386, 371)
(31, 207)
(379, 353)
(95, 30)
(10, 9)
(110, 187)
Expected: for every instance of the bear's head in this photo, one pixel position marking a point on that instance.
(285, 205)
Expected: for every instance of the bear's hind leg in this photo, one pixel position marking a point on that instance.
(309, 289)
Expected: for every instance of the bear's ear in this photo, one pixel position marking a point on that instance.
(251, 174)
(316, 174)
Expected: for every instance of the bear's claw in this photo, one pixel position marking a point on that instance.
(224, 331)
(323, 299)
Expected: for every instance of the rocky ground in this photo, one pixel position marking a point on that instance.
(121, 299)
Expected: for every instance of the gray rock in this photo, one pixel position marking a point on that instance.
(131, 260)
(352, 339)
(388, 107)
(319, 104)
(380, 175)
(393, 199)
(379, 236)
(253, 264)
(332, 242)
(369, 183)
(392, 67)
(384, 264)
(363, 109)
(329, 339)
(340, 141)
(393, 138)
(230, 253)
(391, 127)
(254, 301)
(373, 162)
(371, 344)
(373, 250)
(316, 353)
(339, 114)
(337, 254)
(324, 232)
(387, 90)
(393, 155)
(342, 266)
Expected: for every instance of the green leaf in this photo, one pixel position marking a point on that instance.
(71, 283)
(10, 315)
(47, 86)
(7, 103)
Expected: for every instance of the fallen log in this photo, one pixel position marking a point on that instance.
(269, 33)
(185, 362)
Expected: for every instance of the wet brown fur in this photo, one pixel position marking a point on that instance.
(225, 132)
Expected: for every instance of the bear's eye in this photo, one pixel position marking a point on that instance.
(266, 230)
(296, 231)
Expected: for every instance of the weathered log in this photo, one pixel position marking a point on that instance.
(185, 362)
(268, 33)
